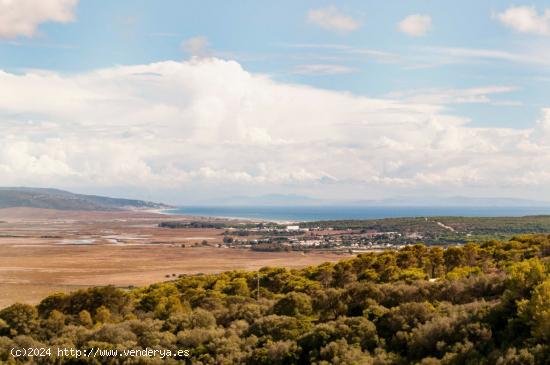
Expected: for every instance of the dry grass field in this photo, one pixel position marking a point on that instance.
(44, 251)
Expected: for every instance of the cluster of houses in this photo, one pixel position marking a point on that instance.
(296, 237)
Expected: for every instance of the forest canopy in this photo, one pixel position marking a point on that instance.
(479, 303)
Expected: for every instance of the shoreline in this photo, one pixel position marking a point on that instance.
(232, 218)
(351, 213)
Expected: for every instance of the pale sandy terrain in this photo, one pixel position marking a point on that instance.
(44, 251)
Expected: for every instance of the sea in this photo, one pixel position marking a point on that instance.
(316, 213)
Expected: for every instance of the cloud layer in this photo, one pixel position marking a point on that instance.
(209, 125)
(22, 17)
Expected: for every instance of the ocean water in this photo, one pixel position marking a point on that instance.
(314, 213)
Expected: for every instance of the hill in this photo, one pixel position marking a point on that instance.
(11, 197)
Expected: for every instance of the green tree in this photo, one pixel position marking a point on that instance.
(454, 257)
(536, 311)
(54, 324)
(85, 319)
(21, 318)
(330, 303)
(293, 304)
(102, 314)
(339, 352)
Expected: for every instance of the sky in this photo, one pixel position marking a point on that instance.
(189, 102)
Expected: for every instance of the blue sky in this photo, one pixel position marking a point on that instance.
(485, 64)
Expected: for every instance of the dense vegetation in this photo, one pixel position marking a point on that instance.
(473, 225)
(447, 229)
(485, 303)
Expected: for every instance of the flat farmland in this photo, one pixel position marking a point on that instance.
(42, 252)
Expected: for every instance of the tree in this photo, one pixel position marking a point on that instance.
(330, 303)
(200, 318)
(341, 353)
(515, 357)
(57, 301)
(102, 314)
(168, 306)
(85, 318)
(525, 275)
(238, 287)
(435, 264)
(343, 274)
(279, 328)
(536, 311)
(406, 259)
(454, 257)
(324, 274)
(411, 274)
(115, 334)
(21, 318)
(275, 353)
(54, 324)
(293, 304)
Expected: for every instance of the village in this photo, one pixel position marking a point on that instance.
(300, 238)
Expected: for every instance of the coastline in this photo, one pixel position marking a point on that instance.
(295, 214)
(168, 212)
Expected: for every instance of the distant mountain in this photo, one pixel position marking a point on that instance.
(270, 200)
(455, 201)
(64, 200)
(419, 201)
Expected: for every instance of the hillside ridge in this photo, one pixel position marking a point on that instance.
(46, 198)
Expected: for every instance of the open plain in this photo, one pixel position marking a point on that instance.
(46, 251)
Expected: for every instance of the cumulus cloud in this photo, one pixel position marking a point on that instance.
(526, 19)
(209, 125)
(416, 25)
(332, 19)
(22, 17)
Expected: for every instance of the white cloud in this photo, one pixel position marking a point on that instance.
(476, 95)
(196, 46)
(331, 18)
(525, 19)
(322, 69)
(343, 52)
(207, 125)
(22, 17)
(530, 54)
(416, 25)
